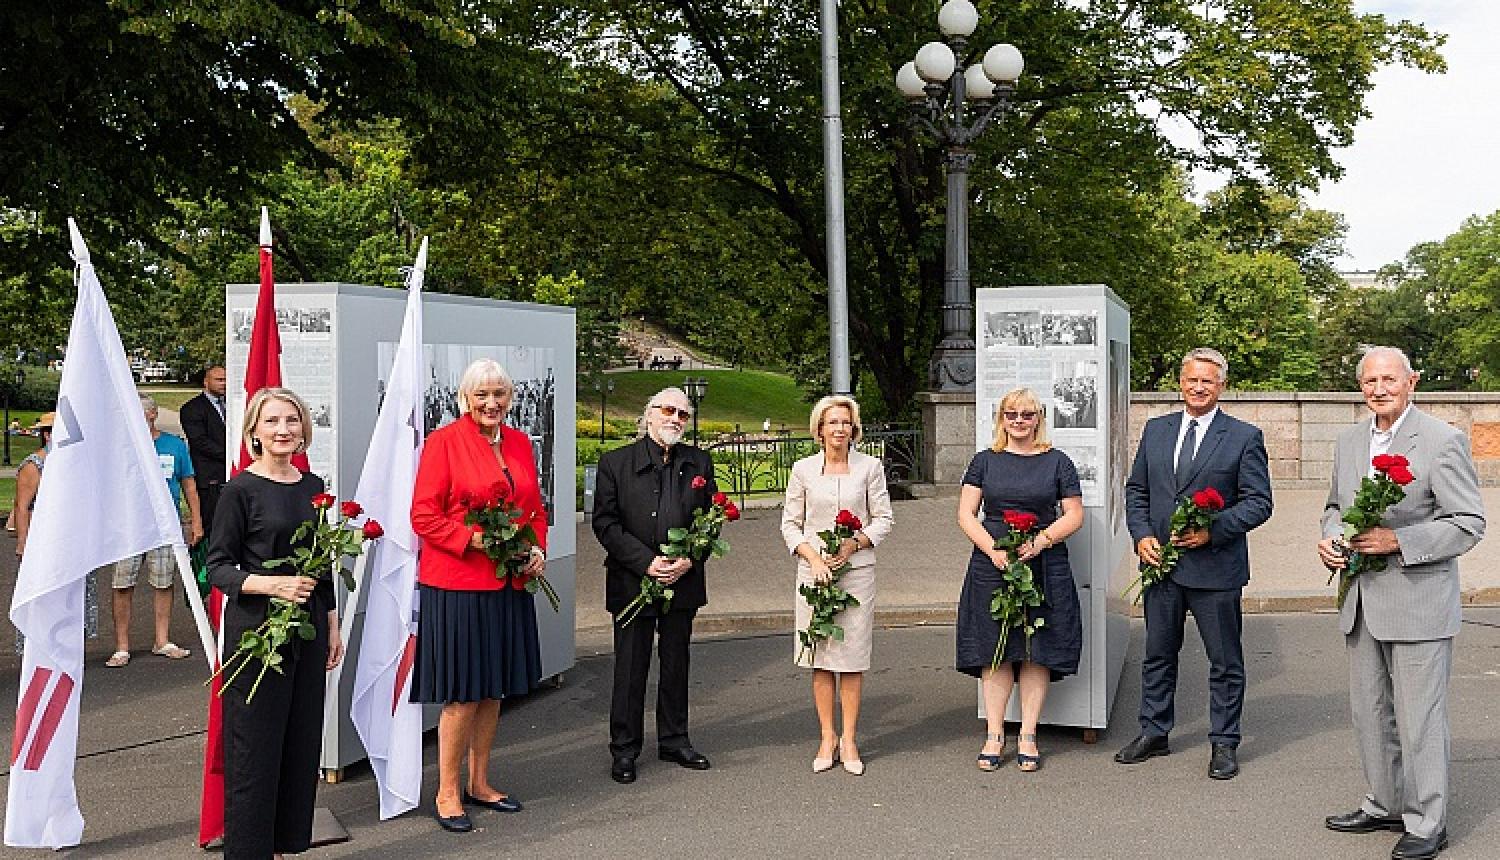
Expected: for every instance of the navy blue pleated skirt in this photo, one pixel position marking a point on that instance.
(475, 645)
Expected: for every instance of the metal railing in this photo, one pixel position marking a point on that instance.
(761, 463)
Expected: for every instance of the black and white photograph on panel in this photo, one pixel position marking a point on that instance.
(1012, 328)
(1075, 394)
(1119, 418)
(532, 371)
(1070, 328)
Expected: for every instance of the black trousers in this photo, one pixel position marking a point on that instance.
(208, 504)
(627, 705)
(1219, 620)
(271, 750)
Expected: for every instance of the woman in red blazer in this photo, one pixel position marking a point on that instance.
(476, 633)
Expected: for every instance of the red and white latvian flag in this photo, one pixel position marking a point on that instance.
(101, 499)
(262, 369)
(389, 725)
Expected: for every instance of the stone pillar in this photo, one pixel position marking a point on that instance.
(947, 434)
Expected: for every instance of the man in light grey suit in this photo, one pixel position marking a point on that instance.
(1399, 623)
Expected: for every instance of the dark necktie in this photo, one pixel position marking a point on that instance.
(1185, 456)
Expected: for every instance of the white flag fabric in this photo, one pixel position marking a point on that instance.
(389, 725)
(101, 499)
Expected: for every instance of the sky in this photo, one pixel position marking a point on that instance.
(1429, 156)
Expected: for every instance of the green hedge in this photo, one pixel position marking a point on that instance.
(37, 392)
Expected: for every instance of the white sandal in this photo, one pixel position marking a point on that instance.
(171, 652)
(118, 659)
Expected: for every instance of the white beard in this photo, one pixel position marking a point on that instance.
(668, 437)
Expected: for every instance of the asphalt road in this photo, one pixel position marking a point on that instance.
(141, 743)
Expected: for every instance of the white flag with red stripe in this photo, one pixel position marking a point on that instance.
(101, 499)
(389, 725)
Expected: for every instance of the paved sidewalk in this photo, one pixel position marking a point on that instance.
(921, 567)
(922, 797)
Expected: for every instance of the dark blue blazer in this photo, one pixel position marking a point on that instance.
(1231, 459)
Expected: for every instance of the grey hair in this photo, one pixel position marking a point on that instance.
(147, 403)
(640, 424)
(1359, 369)
(1212, 356)
(481, 371)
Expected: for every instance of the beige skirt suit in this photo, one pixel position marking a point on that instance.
(813, 500)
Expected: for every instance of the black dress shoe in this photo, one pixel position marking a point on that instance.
(686, 757)
(1142, 748)
(459, 823)
(504, 803)
(1360, 821)
(623, 770)
(1224, 764)
(1411, 847)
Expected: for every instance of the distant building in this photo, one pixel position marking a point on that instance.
(1370, 280)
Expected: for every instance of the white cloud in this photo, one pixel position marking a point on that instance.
(1429, 156)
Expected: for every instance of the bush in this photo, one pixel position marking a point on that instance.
(38, 389)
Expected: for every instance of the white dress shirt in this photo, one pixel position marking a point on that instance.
(1203, 420)
(1380, 440)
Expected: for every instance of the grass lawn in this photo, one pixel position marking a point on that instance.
(171, 397)
(745, 396)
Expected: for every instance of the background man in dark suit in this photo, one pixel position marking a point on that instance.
(1180, 454)
(641, 491)
(1399, 623)
(203, 424)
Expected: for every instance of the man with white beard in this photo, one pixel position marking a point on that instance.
(641, 491)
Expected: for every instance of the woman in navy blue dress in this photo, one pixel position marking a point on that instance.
(1020, 472)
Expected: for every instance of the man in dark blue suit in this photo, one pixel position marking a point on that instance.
(1180, 454)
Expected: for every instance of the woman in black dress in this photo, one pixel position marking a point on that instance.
(271, 743)
(1020, 472)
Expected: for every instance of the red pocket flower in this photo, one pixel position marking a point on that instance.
(323, 501)
(372, 530)
(731, 512)
(351, 509)
(1400, 474)
(1209, 499)
(699, 482)
(848, 520)
(721, 499)
(1021, 521)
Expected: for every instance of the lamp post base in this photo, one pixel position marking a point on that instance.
(951, 367)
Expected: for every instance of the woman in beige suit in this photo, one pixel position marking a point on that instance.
(837, 478)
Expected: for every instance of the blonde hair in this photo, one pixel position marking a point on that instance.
(252, 417)
(481, 371)
(1021, 399)
(833, 401)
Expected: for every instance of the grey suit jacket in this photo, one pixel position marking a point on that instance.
(1416, 597)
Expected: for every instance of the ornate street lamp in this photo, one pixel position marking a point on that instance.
(696, 388)
(940, 88)
(605, 389)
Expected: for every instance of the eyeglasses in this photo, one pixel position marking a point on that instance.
(668, 410)
(1027, 415)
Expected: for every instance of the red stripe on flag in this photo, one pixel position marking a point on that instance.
(56, 707)
(211, 804)
(403, 671)
(27, 710)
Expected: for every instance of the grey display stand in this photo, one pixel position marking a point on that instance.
(338, 341)
(1071, 345)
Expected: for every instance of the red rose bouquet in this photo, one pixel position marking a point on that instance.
(1376, 494)
(827, 600)
(1193, 513)
(508, 540)
(332, 542)
(697, 541)
(1018, 594)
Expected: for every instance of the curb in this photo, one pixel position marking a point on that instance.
(943, 615)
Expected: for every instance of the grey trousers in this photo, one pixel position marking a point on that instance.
(1398, 692)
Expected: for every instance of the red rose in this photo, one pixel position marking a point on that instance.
(372, 530)
(1399, 460)
(721, 499)
(351, 509)
(323, 501)
(699, 482)
(1021, 521)
(731, 512)
(1382, 462)
(1209, 499)
(848, 520)
(1400, 474)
